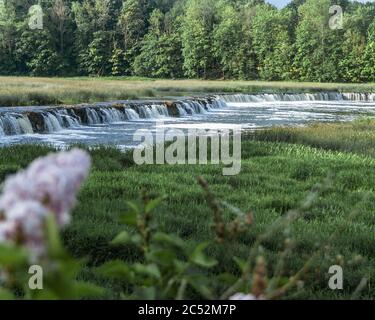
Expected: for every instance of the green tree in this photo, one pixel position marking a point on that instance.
(91, 18)
(354, 43)
(8, 34)
(271, 42)
(97, 59)
(227, 39)
(197, 43)
(368, 71)
(131, 27)
(318, 48)
(160, 54)
(118, 61)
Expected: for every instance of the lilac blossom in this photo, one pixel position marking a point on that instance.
(242, 296)
(48, 186)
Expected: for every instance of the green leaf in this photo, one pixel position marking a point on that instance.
(145, 293)
(163, 257)
(54, 244)
(45, 294)
(136, 239)
(86, 290)
(153, 204)
(116, 270)
(129, 218)
(199, 258)
(199, 283)
(134, 207)
(172, 240)
(12, 256)
(242, 264)
(233, 209)
(122, 239)
(6, 294)
(149, 270)
(227, 279)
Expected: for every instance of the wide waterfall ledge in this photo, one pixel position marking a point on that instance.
(16, 121)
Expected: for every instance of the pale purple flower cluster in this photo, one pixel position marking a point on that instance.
(48, 186)
(241, 296)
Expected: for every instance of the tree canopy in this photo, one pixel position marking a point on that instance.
(231, 39)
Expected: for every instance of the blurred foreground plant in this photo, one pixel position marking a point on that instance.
(168, 267)
(34, 207)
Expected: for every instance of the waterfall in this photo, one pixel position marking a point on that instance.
(359, 96)
(103, 115)
(161, 110)
(131, 114)
(15, 124)
(194, 107)
(112, 115)
(92, 116)
(198, 107)
(218, 103)
(153, 111)
(145, 112)
(51, 123)
(181, 111)
(67, 120)
(57, 119)
(26, 120)
(188, 109)
(320, 96)
(25, 125)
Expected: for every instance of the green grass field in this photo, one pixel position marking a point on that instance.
(280, 168)
(17, 91)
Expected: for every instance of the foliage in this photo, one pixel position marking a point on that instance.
(231, 39)
(280, 167)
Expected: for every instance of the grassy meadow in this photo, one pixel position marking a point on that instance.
(19, 91)
(280, 168)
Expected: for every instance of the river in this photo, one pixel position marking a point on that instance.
(115, 123)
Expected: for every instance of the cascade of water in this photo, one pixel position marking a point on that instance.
(153, 111)
(188, 108)
(198, 106)
(51, 123)
(110, 115)
(11, 125)
(25, 125)
(162, 110)
(181, 111)
(131, 114)
(67, 120)
(2, 133)
(218, 103)
(145, 112)
(92, 116)
(15, 124)
(320, 96)
(54, 119)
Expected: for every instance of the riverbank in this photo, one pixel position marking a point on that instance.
(26, 91)
(279, 169)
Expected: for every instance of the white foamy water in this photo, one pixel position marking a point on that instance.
(104, 124)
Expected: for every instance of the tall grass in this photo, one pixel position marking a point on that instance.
(275, 178)
(43, 91)
(355, 137)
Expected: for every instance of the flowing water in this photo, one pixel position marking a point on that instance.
(115, 124)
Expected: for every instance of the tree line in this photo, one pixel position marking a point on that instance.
(211, 39)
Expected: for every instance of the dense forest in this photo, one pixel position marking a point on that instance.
(211, 39)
